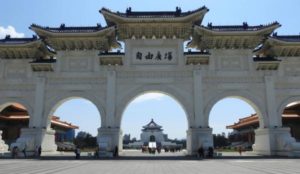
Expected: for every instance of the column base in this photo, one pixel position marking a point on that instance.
(30, 138)
(3, 146)
(108, 139)
(275, 141)
(48, 141)
(197, 137)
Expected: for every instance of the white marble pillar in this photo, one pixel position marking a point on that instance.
(109, 135)
(37, 118)
(37, 134)
(197, 137)
(273, 116)
(45, 135)
(110, 98)
(273, 139)
(198, 100)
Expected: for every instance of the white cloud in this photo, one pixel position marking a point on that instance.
(149, 96)
(10, 30)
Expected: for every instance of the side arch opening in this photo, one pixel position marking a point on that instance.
(75, 121)
(234, 120)
(14, 117)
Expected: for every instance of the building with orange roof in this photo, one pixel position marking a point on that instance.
(15, 117)
(243, 130)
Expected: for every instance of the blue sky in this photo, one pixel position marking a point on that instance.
(17, 15)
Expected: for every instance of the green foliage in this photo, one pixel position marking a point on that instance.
(85, 140)
(220, 140)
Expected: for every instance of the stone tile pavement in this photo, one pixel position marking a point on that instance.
(145, 164)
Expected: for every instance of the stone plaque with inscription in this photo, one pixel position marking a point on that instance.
(154, 56)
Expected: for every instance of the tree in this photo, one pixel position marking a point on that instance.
(220, 140)
(85, 140)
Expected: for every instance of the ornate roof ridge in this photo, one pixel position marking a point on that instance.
(153, 123)
(70, 29)
(18, 40)
(288, 38)
(148, 14)
(243, 27)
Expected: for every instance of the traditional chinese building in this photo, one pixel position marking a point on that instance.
(152, 132)
(243, 130)
(15, 117)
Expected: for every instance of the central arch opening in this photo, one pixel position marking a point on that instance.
(154, 123)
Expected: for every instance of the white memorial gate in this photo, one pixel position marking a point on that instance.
(69, 62)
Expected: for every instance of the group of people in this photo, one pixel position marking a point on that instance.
(146, 149)
(115, 152)
(15, 151)
(202, 153)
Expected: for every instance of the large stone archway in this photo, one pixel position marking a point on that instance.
(154, 59)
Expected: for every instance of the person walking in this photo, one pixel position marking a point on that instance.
(77, 153)
(116, 151)
(240, 150)
(15, 152)
(40, 151)
(36, 151)
(24, 151)
(201, 152)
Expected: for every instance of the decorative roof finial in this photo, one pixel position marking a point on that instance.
(178, 11)
(245, 25)
(7, 36)
(128, 10)
(209, 25)
(62, 25)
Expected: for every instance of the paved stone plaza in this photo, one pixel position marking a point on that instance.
(215, 166)
(138, 163)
